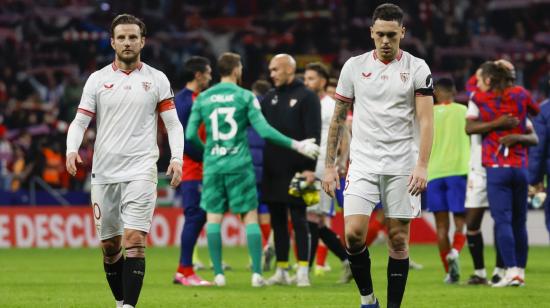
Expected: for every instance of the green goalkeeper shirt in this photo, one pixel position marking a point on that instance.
(227, 110)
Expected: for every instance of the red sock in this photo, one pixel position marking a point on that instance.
(322, 252)
(443, 255)
(186, 270)
(458, 241)
(374, 227)
(266, 230)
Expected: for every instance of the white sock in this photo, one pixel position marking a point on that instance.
(303, 270)
(453, 253)
(481, 273)
(521, 273)
(499, 271)
(512, 272)
(368, 299)
(119, 304)
(127, 306)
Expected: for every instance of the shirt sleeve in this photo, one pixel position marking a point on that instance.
(165, 92)
(473, 111)
(345, 90)
(88, 101)
(423, 82)
(538, 153)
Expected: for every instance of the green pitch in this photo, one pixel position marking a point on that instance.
(75, 278)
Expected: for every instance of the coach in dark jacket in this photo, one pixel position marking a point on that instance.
(539, 155)
(296, 112)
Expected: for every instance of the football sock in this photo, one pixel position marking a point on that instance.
(134, 271)
(322, 252)
(360, 268)
(475, 244)
(266, 230)
(374, 227)
(331, 240)
(301, 232)
(458, 241)
(214, 237)
(254, 241)
(443, 256)
(114, 273)
(398, 270)
(186, 270)
(313, 241)
(481, 273)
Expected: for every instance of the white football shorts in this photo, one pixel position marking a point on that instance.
(372, 188)
(476, 190)
(119, 206)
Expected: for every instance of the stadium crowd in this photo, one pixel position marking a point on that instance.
(49, 48)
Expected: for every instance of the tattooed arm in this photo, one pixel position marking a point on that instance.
(336, 130)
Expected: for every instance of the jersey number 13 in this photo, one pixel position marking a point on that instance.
(229, 113)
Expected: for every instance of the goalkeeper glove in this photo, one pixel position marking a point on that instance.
(306, 147)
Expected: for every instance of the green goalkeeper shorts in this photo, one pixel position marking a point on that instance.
(230, 191)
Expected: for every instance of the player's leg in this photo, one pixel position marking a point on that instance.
(519, 220)
(138, 205)
(437, 204)
(499, 193)
(195, 218)
(475, 205)
(400, 207)
(279, 224)
(214, 202)
(106, 210)
(398, 261)
(313, 220)
(301, 238)
(360, 197)
(265, 226)
(242, 198)
(455, 198)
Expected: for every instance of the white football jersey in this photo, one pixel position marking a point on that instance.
(126, 106)
(385, 134)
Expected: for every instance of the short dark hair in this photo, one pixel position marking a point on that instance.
(125, 19)
(321, 69)
(388, 12)
(194, 65)
(446, 84)
(261, 87)
(332, 82)
(227, 62)
(499, 75)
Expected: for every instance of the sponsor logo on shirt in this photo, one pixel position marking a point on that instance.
(404, 77)
(108, 85)
(218, 150)
(146, 85)
(292, 102)
(366, 75)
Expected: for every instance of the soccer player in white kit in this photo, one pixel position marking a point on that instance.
(393, 107)
(319, 215)
(126, 98)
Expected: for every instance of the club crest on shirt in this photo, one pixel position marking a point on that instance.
(384, 77)
(146, 85)
(404, 77)
(274, 100)
(292, 102)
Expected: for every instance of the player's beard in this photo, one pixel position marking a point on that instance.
(128, 58)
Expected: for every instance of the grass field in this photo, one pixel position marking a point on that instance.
(74, 278)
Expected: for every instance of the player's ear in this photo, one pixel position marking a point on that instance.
(142, 41)
(371, 33)
(113, 42)
(402, 32)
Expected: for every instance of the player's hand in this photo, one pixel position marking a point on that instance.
(506, 121)
(306, 147)
(174, 169)
(72, 160)
(330, 181)
(509, 140)
(309, 175)
(418, 180)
